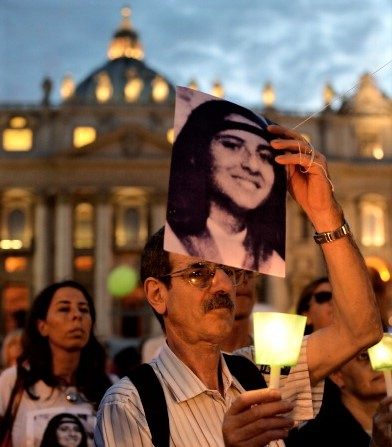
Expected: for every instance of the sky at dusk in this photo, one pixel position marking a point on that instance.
(298, 45)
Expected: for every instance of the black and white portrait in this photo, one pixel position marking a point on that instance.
(227, 195)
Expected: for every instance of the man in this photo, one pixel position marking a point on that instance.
(315, 303)
(207, 406)
(346, 417)
(245, 298)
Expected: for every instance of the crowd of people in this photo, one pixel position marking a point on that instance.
(57, 390)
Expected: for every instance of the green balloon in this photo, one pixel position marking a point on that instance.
(121, 281)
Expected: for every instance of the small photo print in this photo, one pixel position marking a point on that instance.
(64, 426)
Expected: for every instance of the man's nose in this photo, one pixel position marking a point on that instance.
(222, 280)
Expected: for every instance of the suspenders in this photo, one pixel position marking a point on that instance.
(154, 402)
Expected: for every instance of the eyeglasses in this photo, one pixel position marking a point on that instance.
(322, 297)
(201, 274)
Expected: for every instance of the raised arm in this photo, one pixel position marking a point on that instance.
(357, 323)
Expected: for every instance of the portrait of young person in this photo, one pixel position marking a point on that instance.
(64, 430)
(226, 200)
(61, 368)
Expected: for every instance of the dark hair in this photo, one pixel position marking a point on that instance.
(50, 439)
(305, 297)
(190, 182)
(126, 360)
(155, 262)
(91, 378)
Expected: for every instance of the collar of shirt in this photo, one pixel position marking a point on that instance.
(181, 382)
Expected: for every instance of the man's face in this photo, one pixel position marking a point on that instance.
(195, 314)
(357, 378)
(242, 165)
(320, 314)
(245, 297)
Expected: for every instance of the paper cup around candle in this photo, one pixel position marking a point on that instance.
(278, 337)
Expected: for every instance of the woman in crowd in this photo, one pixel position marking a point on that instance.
(62, 364)
(227, 195)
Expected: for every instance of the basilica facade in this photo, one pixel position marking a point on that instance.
(84, 183)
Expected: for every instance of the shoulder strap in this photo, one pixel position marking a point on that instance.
(7, 421)
(245, 371)
(154, 403)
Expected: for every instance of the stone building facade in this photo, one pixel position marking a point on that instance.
(84, 183)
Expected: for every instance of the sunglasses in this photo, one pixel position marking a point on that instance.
(201, 274)
(322, 297)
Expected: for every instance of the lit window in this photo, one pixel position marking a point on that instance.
(83, 263)
(83, 136)
(104, 89)
(372, 222)
(133, 87)
(17, 137)
(84, 226)
(15, 264)
(170, 135)
(218, 90)
(160, 89)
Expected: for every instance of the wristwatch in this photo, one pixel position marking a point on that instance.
(329, 236)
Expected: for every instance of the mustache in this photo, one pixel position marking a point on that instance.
(218, 301)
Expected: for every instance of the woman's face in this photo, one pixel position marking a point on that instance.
(69, 434)
(242, 165)
(68, 322)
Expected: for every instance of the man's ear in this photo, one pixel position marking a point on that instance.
(337, 379)
(42, 328)
(308, 318)
(156, 293)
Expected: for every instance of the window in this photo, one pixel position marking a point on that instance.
(160, 89)
(17, 137)
(131, 229)
(84, 226)
(16, 222)
(83, 135)
(372, 212)
(104, 89)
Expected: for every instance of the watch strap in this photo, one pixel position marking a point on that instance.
(330, 236)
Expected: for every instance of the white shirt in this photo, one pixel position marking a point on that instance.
(195, 412)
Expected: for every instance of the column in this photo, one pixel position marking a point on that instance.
(103, 263)
(63, 239)
(43, 256)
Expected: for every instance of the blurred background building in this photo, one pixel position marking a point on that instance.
(84, 183)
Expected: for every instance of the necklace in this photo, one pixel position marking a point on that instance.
(74, 397)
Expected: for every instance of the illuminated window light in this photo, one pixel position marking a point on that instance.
(83, 263)
(133, 88)
(378, 152)
(83, 136)
(218, 90)
(170, 135)
(11, 244)
(104, 89)
(17, 140)
(18, 122)
(15, 264)
(160, 89)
